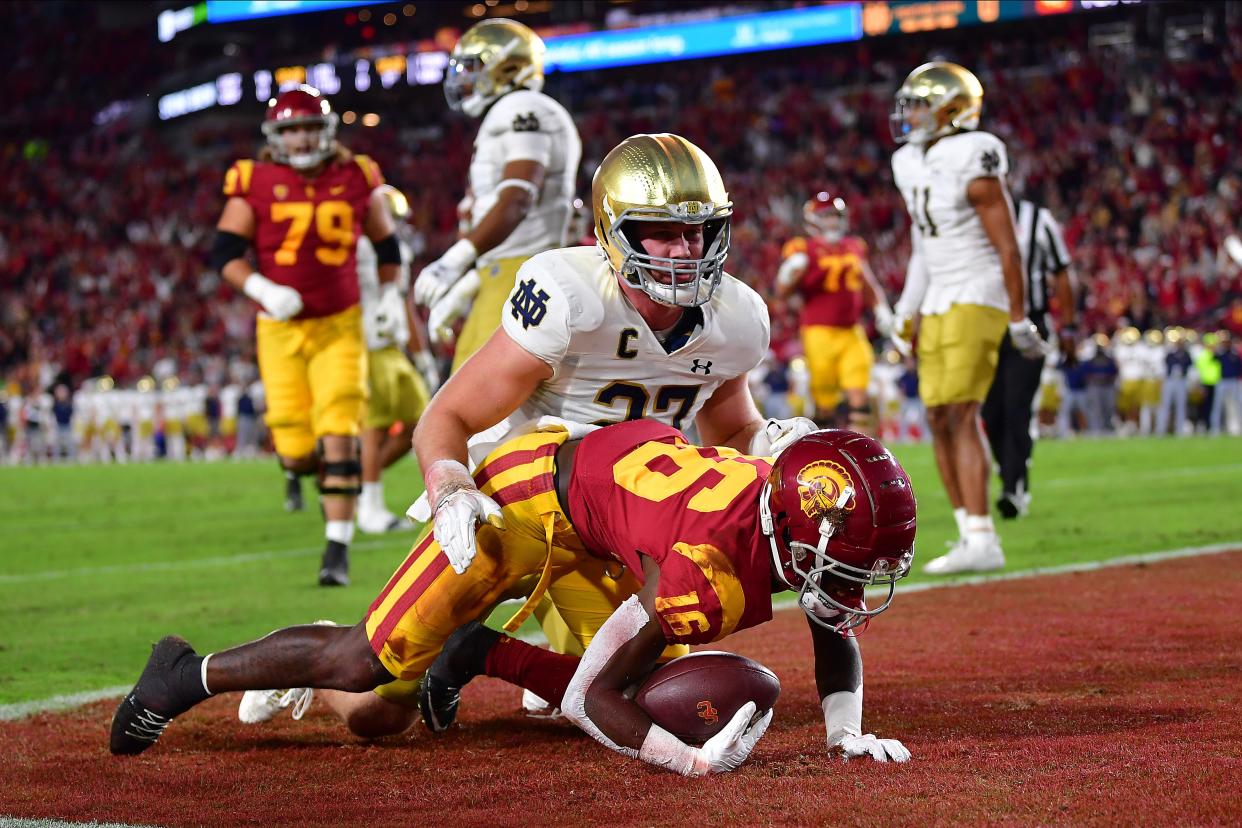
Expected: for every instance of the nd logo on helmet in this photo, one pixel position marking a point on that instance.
(820, 485)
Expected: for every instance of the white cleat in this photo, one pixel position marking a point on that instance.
(984, 555)
(258, 706)
(536, 708)
(381, 521)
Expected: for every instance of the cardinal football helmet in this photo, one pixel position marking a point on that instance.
(839, 515)
(827, 216)
(492, 59)
(936, 99)
(662, 177)
(300, 106)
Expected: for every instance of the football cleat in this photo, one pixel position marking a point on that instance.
(293, 493)
(258, 706)
(1011, 506)
(380, 521)
(535, 707)
(983, 554)
(463, 657)
(334, 568)
(162, 693)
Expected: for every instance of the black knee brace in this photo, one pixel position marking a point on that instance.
(351, 469)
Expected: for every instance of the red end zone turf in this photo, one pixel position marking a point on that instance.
(1100, 698)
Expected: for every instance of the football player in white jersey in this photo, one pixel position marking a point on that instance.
(644, 325)
(964, 280)
(397, 393)
(522, 179)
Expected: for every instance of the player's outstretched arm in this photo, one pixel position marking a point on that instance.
(839, 680)
(488, 388)
(623, 652)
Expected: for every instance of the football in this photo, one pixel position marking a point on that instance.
(694, 696)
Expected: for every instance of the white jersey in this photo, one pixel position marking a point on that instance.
(369, 294)
(961, 264)
(527, 126)
(607, 365)
(1131, 360)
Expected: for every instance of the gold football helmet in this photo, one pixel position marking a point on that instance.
(492, 59)
(937, 99)
(662, 177)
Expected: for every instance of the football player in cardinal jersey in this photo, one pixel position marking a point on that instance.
(302, 205)
(965, 281)
(696, 542)
(828, 270)
(522, 179)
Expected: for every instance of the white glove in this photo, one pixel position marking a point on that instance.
(901, 334)
(278, 301)
(728, 749)
(881, 750)
(1025, 337)
(389, 311)
(884, 319)
(450, 307)
(425, 362)
(455, 518)
(435, 279)
(778, 435)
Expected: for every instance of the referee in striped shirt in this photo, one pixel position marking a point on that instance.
(1007, 410)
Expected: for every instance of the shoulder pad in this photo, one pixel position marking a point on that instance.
(794, 245)
(237, 179)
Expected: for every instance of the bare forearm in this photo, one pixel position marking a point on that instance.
(1015, 287)
(504, 217)
(236, 273)
(388, 273)
(441, 435)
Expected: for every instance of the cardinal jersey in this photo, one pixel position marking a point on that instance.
(607, 366)
(639, 488)
(832, 284)
(527, 126)
(963, 266)
(308, 228)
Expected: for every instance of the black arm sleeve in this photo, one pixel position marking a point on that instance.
(226, 247)
(387, 250)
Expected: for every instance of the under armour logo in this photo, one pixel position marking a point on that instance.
(701, 365)
(990, 161)
(708, 713)
(530, 305)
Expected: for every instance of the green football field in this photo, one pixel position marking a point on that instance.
(97, 562)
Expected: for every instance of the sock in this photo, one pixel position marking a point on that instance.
(191, 673)
(959, 515)
(979, 527)
(372, 495)
(540, 671)
(291, 476)
(341, 531)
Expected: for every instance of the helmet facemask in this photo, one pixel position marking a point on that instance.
(828, 218)
(690, 282)
(325, 147)
(919, 117)
(471, 86)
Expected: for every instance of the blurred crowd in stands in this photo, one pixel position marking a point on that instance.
(103, 235)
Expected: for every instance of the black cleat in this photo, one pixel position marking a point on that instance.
(293, 493)
(463, 657)
(334, 568)
(168, 686)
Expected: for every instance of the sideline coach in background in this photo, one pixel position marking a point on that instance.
(1007, 410)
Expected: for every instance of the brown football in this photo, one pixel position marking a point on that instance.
(694, 696)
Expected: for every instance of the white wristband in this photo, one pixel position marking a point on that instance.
(521, 184)
(256, 286)
(461, 255)
(843, 714)
(664, 750)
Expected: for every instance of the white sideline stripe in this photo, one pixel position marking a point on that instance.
(14, 822)
(20, 710)
(164, 566)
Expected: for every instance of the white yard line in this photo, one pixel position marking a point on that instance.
(21, 710)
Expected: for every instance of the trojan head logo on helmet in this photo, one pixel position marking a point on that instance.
(936, 100)
(662, 178)
(839, 515)
(827, 216)
(492, 59)
(301, 106)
